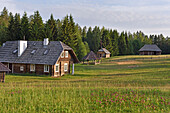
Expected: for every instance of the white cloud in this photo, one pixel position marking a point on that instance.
(132, 15)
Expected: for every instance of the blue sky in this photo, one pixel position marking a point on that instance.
(149, 16)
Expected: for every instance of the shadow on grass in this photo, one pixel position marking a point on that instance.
(154, 74)
(86, 75)
(28, 74)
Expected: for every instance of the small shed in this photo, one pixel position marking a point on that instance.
(91, 56)
(103, 53)
(3, 70)
(150, 50)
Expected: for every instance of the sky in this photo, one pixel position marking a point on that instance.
(148, 16)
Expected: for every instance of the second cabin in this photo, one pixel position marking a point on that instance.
(38, 57)
(103, 53)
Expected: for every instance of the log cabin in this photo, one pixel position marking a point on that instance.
(3, 70)
(150, 50)
(38, 57)
(103, 53)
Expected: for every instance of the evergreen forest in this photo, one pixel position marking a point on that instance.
(81, 39)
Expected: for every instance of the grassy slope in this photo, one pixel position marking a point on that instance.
(22, 93)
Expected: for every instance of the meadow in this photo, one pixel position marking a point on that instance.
(118, 84)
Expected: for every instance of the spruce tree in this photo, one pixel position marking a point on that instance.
(58, 34)
(25, 27)
(52, 27)
(11, 28)
(114, 37)
(4, 18)
(96, 36)
(84, 34)
(122, 44)
(80, 48)
(89, 37)
(106, 40)
(37, 27)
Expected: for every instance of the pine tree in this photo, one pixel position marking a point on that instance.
(89, 37)
(131, 44)
(122, 44)
(4, 22)
(37, 27)
(58, 34)
(4, 18)
(25, 27)
(84, 34)
(52, 27)
(87, 47)
(17, 27)
(96, 39)
(127, 44)
(81, 48)
(3, 34)
(11, 28)
(48, 32)
(68, 33)
(106, 40)
(114, 37)
(136, 46)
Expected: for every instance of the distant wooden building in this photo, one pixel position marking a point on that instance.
(103, 53)
(91, 56)
(3, 70)
(38, 57)
(150, 50)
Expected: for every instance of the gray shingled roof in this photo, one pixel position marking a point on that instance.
(104, 50)
(54, 50)
(3, 68)
(91, 56)
(147, 47)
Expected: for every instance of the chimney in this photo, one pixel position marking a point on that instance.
(22, 45)
(3, 45)
(45, 41)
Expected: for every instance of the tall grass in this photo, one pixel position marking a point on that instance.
(108, 87)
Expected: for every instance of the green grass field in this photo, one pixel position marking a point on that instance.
(118, 84)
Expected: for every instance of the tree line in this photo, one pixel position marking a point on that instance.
(82, 40)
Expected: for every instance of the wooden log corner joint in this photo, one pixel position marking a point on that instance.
(3, 70)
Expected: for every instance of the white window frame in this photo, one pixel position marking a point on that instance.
(62, 54)
(33, 67)
(21, 68)
(57, 65)
(65, 69)
(66, 54)
(46, 68)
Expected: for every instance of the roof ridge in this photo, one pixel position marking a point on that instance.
(60, 52)
(61, 44)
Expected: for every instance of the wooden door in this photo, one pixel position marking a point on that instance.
(60, 69)
(10, 67)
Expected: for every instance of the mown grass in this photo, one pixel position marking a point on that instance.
(119, 84)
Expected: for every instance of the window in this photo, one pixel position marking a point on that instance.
(32, 67)
(34, 43)
(57, 68)
(66, 54)
(62, 55)
(65, 67)
(15, 51)
(33, 51)
(46, 52)
(46, 68)
(21, 68)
